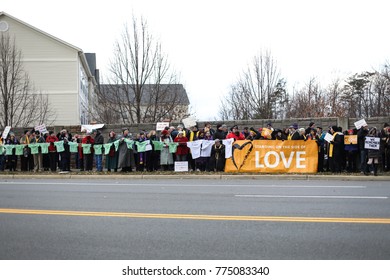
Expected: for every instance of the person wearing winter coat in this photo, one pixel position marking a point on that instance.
(182, 149)
(112, 156)
(235, 134)
(88, 152)
(126, 160)
(12, 159)
(362, 133)
(373, 155)
(166, 158)
(53, 156)
(336, 149)
(98, 140)
(217, 159)
(38, 159)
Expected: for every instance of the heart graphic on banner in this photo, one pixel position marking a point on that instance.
(243, 150)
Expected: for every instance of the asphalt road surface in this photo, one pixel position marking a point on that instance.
(194, 219)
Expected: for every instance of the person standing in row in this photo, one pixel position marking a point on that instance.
(99, 140)
(37, 155)
(26, 160)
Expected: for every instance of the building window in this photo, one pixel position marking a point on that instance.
(3, 26)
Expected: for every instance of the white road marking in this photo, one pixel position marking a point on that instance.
(311, 196)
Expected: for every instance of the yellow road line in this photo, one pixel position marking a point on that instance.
(198, 217)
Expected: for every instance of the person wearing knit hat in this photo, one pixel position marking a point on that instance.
(311, 125)
(293, 133)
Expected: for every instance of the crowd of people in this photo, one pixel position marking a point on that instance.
(152, 151)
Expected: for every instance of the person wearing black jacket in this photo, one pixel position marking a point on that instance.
(221, 132)
(362, 133)
(336, 149)
(99, 140)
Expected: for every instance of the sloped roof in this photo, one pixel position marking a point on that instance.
(78, 50)
(40, 31)
(167, 92)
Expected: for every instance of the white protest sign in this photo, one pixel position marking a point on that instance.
(188, 122)
(360, 124)
(161, 125)
(41, 128)
(89, 127)
(372, 143)
(328, 137)
(5, 132)
(181, 166)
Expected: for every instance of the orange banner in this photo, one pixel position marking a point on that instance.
(273, 156)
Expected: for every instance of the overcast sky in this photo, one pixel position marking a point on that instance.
(210, 42)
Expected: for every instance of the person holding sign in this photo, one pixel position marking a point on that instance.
(372, 145)
(362, 133)
(351, 150)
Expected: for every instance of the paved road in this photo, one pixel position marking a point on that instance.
(194, 219)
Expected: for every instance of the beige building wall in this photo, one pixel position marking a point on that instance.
(54, 68)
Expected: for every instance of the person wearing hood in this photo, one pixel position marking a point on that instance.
(373, 154)
(126, 159)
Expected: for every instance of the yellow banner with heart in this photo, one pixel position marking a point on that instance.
(273, 156)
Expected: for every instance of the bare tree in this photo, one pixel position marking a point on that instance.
(142, 86)
(20, 104)
(308, 101)
(258, 93)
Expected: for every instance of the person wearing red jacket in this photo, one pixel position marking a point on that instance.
(53, 156)
(182, 149)
(235, 134)
(88, 157)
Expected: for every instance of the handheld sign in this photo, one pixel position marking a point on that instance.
(89, 127)
(360, 124)
(5, 132)
(328, 137)
(350, 140)
(188, 122)
(372, 143)
(161, 125)
(41, 128)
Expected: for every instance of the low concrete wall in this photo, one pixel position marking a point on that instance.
(345, 123)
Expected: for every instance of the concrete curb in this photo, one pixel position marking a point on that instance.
(196, 176)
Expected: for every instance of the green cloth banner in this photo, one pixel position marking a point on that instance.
(98, 149)
(158, 146)
(60, 146)
(107, 148)
(8, 149)
(86, 149)
(73, 147)
(19, 150)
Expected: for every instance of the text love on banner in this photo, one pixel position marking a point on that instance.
(273, 156)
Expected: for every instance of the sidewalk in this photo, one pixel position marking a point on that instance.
(198, 175)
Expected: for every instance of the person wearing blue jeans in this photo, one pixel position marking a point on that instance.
(99, 140)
